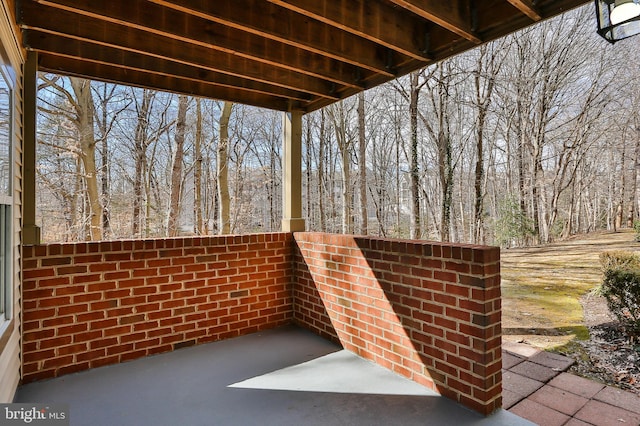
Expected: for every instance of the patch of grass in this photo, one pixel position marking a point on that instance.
(542, 287)
(580, 332)
(573, 348)
(551, 304)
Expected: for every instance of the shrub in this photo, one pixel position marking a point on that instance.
(621, 289)
(619, 259)
(636, 227)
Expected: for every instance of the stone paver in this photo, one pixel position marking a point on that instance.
(539, 413)
(510, 360)
(509, 398)
(601, 414)
(619, 398)
(518, 384)
(534, 371)
(536, 388)
(554, 361)
(520, 349)
(558, 399)
(577, 385)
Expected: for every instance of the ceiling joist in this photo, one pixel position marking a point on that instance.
(527, 7)
(82, 51)
(375, 21)
(165, 22)
(452, 15)
(287, 27)
(115, 74)
(280, 54)
(139, 42)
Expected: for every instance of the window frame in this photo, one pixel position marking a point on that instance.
(7, 254)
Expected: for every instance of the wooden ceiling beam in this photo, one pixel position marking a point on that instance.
(527, 7)
(45, 43)
(376, 21)
(117, 75)
(61, 22)
(167, 22)
(451, 15)
(276, 23)
(279, 54)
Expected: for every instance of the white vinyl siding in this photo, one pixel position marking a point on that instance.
(11, 133)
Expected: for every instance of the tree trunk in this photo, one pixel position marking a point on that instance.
(223, 170)
(634, 180)
(85, 111)
(75, 221)
(345, 158)
(338, 116)
(104, 161)
(484, 79)
(321, 166)
(415, 231)
(173, 224)
(197, 172)
(478, 207)
(446, 181)
(362, 166)
(273, 214)
(623, 182)
(140, 153)
(535, 193)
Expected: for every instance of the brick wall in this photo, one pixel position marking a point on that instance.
(99, 303)
(428, 311)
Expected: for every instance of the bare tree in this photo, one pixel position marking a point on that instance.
(141, 143)
(108, 110)
(485, 74)
(81, 114)
(223, 170)
(173, 224)
(197, 173)
(339, 114)
(362, 166)
(412, 95)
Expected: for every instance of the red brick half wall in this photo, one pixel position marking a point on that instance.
(99, 303)
(428, 311)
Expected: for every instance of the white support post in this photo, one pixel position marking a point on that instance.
(292, 220)
(30, 232)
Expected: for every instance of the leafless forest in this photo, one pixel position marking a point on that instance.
(528, 139)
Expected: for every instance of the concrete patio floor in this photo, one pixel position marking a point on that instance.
(285, 376)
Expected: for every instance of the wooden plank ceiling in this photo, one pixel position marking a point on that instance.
(279, 54)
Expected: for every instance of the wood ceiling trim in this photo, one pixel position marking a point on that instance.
(117, 75)
(527, 7)
(452, 15)
(375, 21)
(276, 23)
(77, 50)
(166, 22)
(64, 23)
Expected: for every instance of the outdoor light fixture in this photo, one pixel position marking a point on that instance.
(618, 19)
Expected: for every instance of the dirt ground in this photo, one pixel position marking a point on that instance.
(547, 303)
(607, 356)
